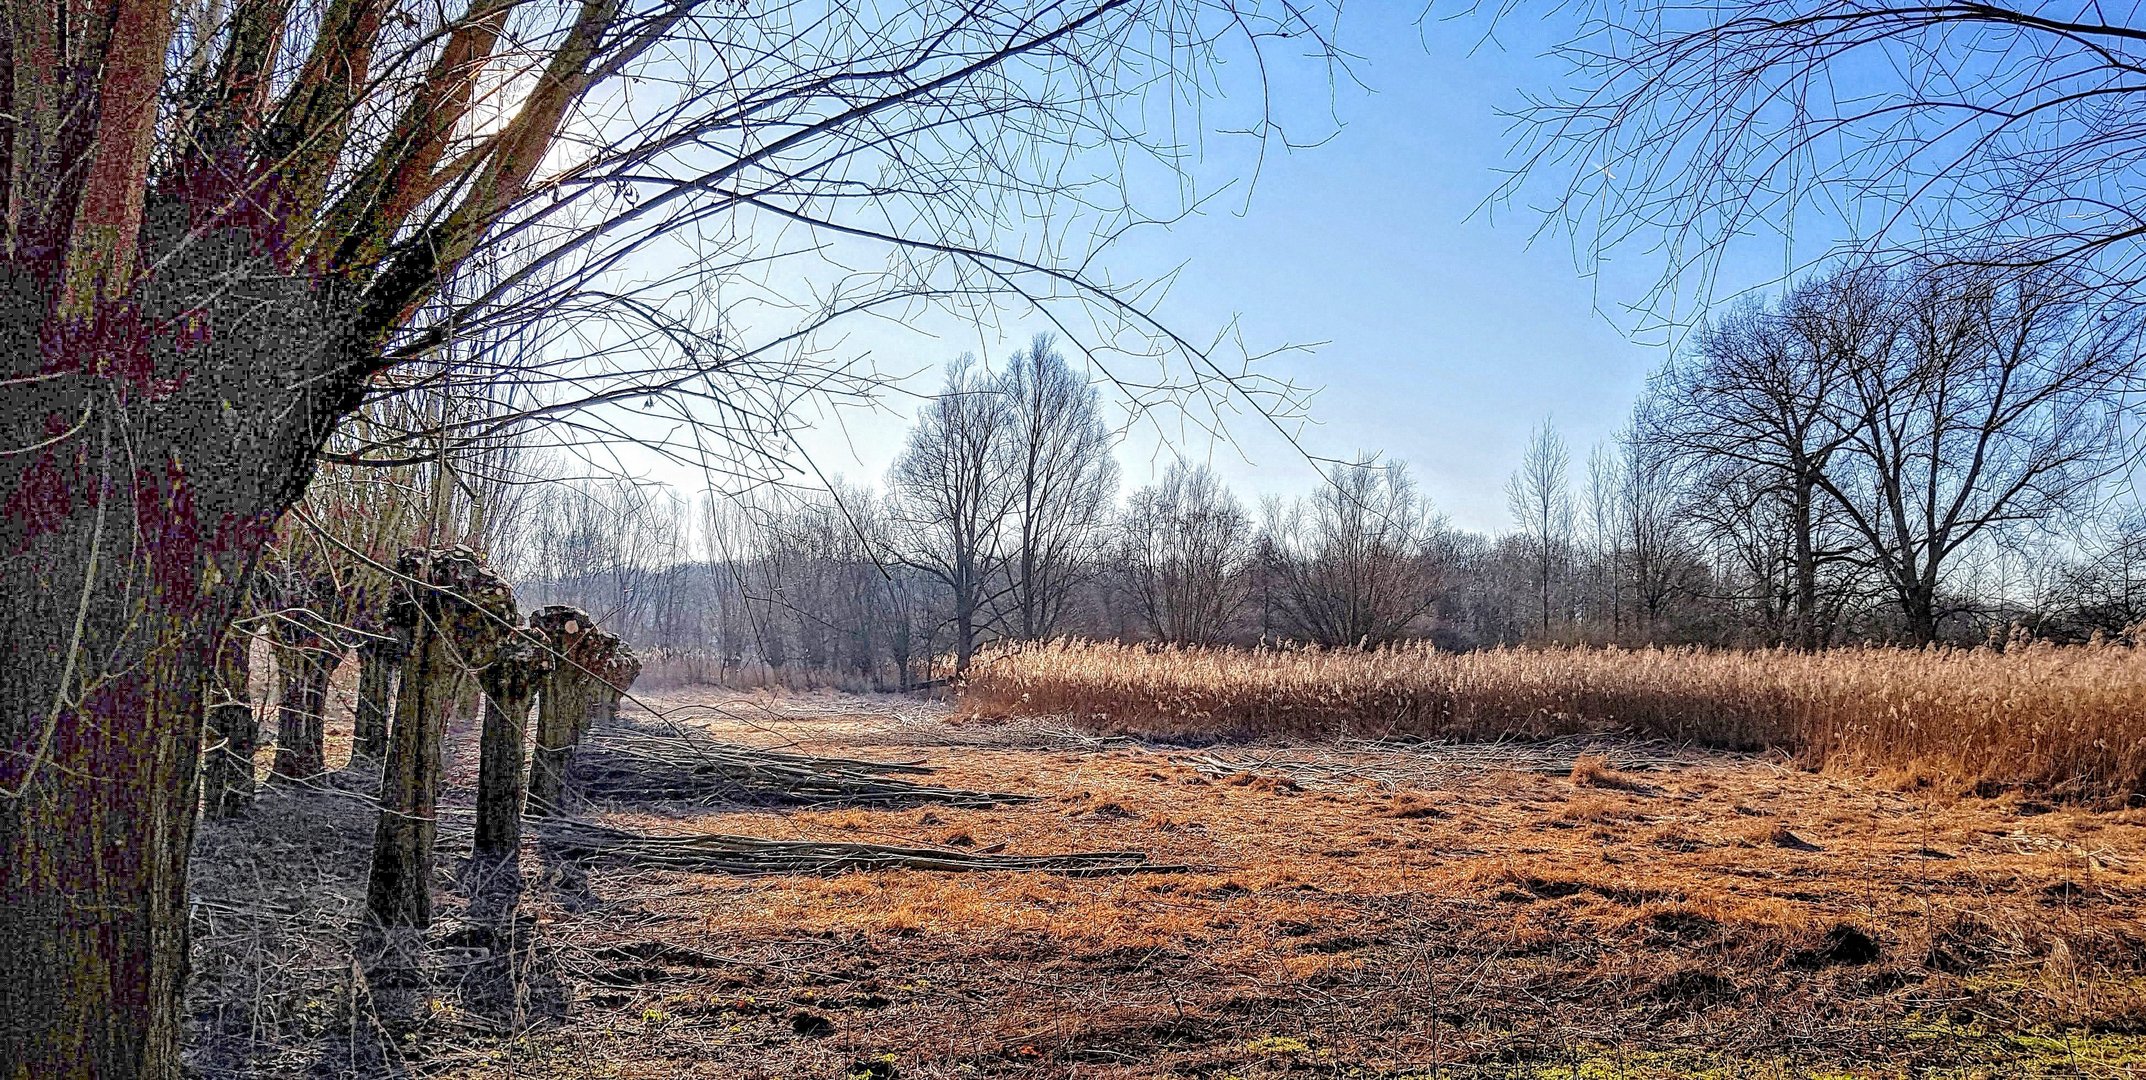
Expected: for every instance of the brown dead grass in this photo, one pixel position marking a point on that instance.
(1496, 917)
(1486, 922)
(2066, 720)
(1593, 770)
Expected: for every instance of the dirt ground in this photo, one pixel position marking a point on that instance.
(1588, 910)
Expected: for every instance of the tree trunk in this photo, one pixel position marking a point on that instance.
(613, 667)
(123, 557)
(301, 726)
(93, 943)
(581, 654)
(501, 780)
(603, 705)
(399, 893)
(115, 599)
(454, 613)
(1918, 606)
(125, 550)
(376, 697)
(233, 731)
(560, 703)
(1802, 521)
(510, 687)
(964, 633)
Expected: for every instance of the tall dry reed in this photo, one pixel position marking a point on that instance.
(2068, 720)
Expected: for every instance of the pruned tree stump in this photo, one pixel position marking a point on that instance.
(457, 615)
(583, 657)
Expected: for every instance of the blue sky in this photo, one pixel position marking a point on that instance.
(1446, 335)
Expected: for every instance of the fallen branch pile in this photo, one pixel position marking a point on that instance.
(1554, 755)
(687, 765)
(727, 854)
(1429, 763)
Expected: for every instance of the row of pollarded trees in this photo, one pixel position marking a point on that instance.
(453, 615)
(447, 617)
(232, 226)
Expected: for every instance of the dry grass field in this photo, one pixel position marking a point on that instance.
(2066, 721)
(1583, 906)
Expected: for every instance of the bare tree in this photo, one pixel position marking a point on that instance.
(2103, 589)
(1756, 396)
(1354, 564)
(954, 495)
(825, 558)
(581, 654)
(511, 681)
(1063, 479)
(602, 546)
(457, 616)
(1657, 541)
(1539, 493)
(1186, 545)
(1997, 403)
(229, 227)
(1873, 425)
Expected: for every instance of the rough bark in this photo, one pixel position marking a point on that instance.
(307, 652)
(511, 683)
(380, 658)
(398, 892)
(94, 950)
(1919, 611)
(456, 614)
(233, 731)
(618, 677)
(124, 552)
(579, 651)
(557, 703)
(170, 376)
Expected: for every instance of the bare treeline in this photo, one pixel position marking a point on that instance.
(1906, 454)
(1901, 454)
(991, 528)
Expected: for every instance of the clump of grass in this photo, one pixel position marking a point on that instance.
(1594, 808)
(1272, 785)
(2068, 721)
(1410, 806)
(1593, 770)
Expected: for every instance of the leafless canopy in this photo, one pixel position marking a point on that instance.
(2015, 132)
(1894, 420)
(1186, 553)
(736, 187)
(1355, 563)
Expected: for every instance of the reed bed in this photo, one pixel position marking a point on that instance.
(2067, 721)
